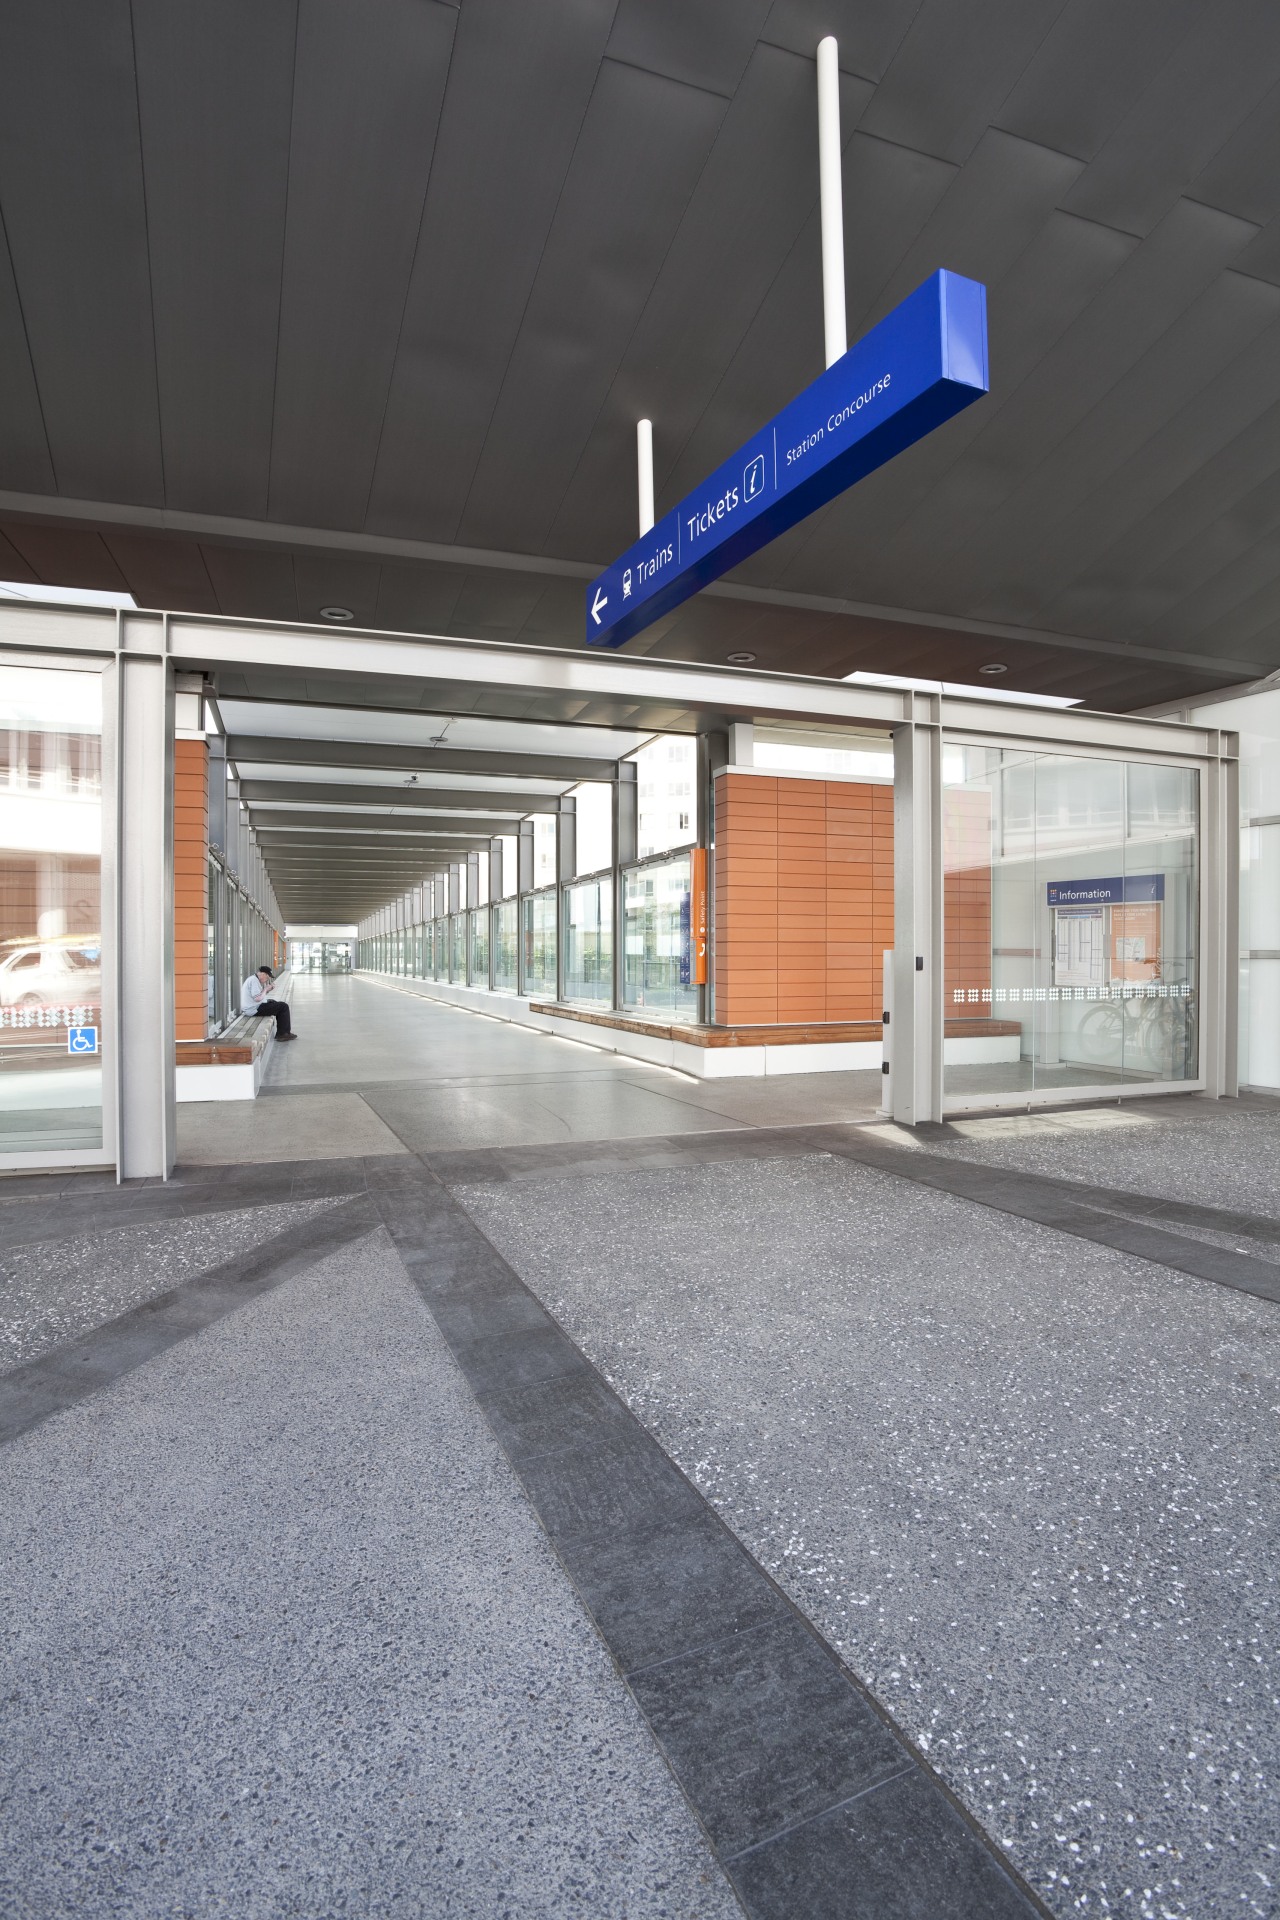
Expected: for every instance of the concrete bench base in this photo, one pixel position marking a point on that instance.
(714, 1053)
(231, 1065)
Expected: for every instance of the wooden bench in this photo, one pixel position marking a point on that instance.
(230, 1065)
(797, 1034)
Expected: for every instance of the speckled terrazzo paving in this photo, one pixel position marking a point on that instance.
(51, 1292)
(1228, 1157)
(1023, 1483)
(286, 1640)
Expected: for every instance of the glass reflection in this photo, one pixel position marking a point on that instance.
(50, 910)
(1071, 916)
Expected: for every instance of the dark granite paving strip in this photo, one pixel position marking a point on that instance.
(1061, 1204)
(1182, 1213)
(44, 1218)
(1109, 1217)
(591, 1158)
(82, 1367)
(767, 1732)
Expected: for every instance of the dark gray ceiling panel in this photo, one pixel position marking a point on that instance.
(337, 580)
(759, 184)
(215, 89)
(1120, 455)
(67, 556)
(1243, 177)
(501, 244)
(1213, 417)
(1214, 79)
(1262, 255)
(252, 582)
(72, 196)
(953, 71)
(1218, 609)
(162, 572)
(417, 597)
(366, 106)
(1160, 280)
(889, 193)
(993, 210)
(643, 146)
(1095, 62)
(869, 32)
(1216, 515)
(26, 449)
(703, 46)
(13, 565)
(870, 537)
(521, 81)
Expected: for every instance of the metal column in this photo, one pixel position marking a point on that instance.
(143, 988)
(916, 1033)
(566, 871)
(626, 830)
(1220, 919)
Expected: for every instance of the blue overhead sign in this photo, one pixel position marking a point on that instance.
(923, 363)
(1127, 890)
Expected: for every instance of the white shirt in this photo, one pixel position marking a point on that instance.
(250, 993)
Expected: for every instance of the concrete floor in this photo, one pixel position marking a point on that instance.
(339, 1580)
(374, 1070)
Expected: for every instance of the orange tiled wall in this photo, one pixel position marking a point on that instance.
(966, 902)
(803, 898)
(190, 887)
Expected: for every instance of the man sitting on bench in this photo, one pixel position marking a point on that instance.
(253, 999)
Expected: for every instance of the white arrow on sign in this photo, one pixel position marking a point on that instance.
(601, 600)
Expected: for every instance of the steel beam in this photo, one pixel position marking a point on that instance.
(421, 799)
(530, 765)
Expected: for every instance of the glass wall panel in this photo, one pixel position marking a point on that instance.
(458, 947)
(1071, 914)
(479, 975)
(539, 911)
(657, 944)
(666, 800)
(211, 1020)
(594, 813)
(588, 941)
(544, 849)
(50, 910)
(506, 945)
(510, 873)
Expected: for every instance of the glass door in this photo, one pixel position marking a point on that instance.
(51, 1026)
(1071, 922)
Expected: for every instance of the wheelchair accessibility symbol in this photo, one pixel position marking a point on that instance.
(82, 1039)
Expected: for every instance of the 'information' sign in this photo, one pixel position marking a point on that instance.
(921, 364)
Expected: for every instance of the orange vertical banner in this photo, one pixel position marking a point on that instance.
(698, 914)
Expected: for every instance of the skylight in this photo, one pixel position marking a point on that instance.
(72, 596)
(956, 686)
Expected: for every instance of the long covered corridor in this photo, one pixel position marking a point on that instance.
(380, 1068)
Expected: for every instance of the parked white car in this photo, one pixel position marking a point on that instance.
(52, 973)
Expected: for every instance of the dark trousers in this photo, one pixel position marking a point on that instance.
(280, 1008)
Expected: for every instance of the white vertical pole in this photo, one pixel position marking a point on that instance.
(144, 881)
(916, 1031)
(831, 200)
(644, 472)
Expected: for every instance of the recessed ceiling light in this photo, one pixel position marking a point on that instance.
(994, 666)
(740, 659)
(341, 614)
